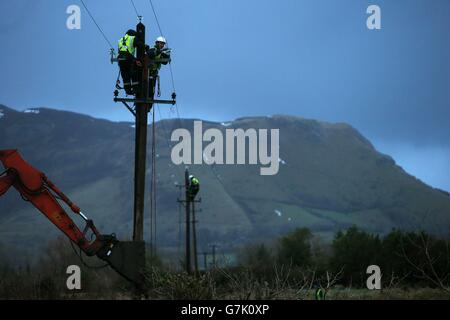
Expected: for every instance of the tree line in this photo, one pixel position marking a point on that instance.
(406, 258)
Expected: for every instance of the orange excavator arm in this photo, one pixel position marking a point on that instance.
(35, 187)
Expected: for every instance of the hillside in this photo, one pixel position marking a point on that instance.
(330, 177)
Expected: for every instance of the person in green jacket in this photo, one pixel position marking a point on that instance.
(321, 293)
(158, 55)
(127, 62)
(193, 188)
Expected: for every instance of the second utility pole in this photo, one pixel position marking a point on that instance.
(188, 218)
(194, 238)
(188, 201)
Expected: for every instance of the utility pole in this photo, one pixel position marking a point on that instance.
(142, 109)
(194, 234)
(188, 217)
(214, 246)
(205, 256)
(187, 204)
(132, 257)
(143, 102)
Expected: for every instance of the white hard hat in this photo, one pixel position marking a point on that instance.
(191, 176)
(160, 39)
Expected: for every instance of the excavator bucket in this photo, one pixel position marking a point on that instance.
(127, 258)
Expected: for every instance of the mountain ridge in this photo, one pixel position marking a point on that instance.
(330, 178)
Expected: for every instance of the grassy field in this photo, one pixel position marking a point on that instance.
(216, 285)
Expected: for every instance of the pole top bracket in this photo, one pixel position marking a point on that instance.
(146, 101)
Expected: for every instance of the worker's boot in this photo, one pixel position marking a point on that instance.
(127, 88)
(135, 87)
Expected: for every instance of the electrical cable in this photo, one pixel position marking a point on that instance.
(98, 27)
(135, 10)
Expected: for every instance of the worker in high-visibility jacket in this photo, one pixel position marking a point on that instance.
(127, 62)
(158, 55)
(321, 293)
(193, 188)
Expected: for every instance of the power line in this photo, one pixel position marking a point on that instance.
(153, 191)
(156, 17)
(135, 10)
(98, 27)
(173, 82)
(179, 220)
(170, 64)
(166, 134)
(174, 89)
(164, 128)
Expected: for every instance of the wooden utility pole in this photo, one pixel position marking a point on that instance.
(143, 104)
(187, 204)
(142, 109)
(188, 222)
(132, 258)
(194, 234)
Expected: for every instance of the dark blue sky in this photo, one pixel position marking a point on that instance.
(310, 58)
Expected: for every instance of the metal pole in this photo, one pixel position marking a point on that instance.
(142, 110)
(188, 231)
(194, 235)
(214, 255)
(205, 255)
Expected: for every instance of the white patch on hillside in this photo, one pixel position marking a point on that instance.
(278, 212)
(133, 126)
(2, 114)
(226, 124)
(31, 110)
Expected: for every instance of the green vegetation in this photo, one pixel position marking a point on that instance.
(295, 248)
(410, 259)
(413, 265)
(46, 278)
